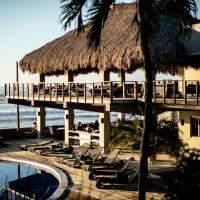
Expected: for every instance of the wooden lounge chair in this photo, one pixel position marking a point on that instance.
(80, 152)
(56, 132)
(93, 155)
(110, 170)
(59, 151)
(127, 175)
(52, 145)
(111, 160)
(26, 146)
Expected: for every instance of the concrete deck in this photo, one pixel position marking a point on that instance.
(80, 187)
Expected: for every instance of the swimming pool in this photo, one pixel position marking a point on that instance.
(12, 171)
(17, 180)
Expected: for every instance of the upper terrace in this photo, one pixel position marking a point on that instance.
(118, 96)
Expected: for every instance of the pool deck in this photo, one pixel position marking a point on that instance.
(80, 187)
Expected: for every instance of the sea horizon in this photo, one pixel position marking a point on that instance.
(8, 115)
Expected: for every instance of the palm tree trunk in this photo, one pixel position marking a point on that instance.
(148, 68)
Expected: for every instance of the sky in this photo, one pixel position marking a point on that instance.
(26, 25)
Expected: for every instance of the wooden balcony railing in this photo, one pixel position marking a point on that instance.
(164, 91)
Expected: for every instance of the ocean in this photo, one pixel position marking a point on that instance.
(28, 115)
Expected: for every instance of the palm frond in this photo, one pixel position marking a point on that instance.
(71, 10)
(187, 11)
(147, 12)
(98, 14)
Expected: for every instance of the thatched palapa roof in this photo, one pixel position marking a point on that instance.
(119, 48)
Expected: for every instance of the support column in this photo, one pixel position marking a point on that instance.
(121, 78)
(69, 113)
(104, 129)
(104, 76)
(69, 124)
(41, 125)
(68, 76)
(104, 118)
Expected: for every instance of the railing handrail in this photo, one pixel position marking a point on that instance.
(106, 91)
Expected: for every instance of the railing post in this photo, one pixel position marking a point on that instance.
(50, 92)
(27, 86)
(9, 90)
(164, 91)
(23, 90)
(33, 91)
(17, 90)
(111, 91)
(197, 92)
(63, 98)
(38, 90)
(135, 90)
(43, 88)
(85, 95)
(154, 91)
(101, 92)
(14, 90)
(5, 89)
(185, 97)
(77, 97)
(92, 92)
(124, 89)
(56, 91)
(174, 91)
(70, 94)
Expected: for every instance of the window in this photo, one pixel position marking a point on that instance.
(194, 127)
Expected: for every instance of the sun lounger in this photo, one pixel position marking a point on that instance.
(111, 160)
(127, 175)
(79, 152)
(26, 146)
(60, 151)
(110, 170)
(52, 145)
(93, 155)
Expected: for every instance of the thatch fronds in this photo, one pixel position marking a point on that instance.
(119, 48)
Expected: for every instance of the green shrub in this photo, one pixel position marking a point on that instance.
(185, 183)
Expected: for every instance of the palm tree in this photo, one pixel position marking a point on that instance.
(148, 23)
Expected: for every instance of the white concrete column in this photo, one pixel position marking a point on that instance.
(69, 113)
(121, 78)
(104, 129)
(69, 123)
(41, 124)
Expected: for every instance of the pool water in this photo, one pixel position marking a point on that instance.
(13, 171)
(26, 180)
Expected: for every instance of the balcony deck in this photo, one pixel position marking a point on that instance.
(125, 96)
